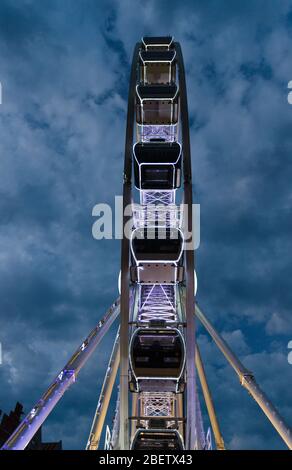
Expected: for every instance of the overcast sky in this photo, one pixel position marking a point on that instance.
(64, 70)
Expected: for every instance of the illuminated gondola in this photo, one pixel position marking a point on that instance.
(157, 440)
(157, 254)
(157, 67)
(157, 354)
(162, 43)
(157, 165)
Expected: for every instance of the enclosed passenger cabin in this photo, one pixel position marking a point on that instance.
(157, 354)
(157, 255)
(164, 43)
(157, 67)
(157, 104)
(157, 440)
(157, 112)
(157, 165)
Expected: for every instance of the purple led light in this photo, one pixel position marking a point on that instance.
(168, 133)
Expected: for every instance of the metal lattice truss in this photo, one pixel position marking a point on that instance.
(151, 216)
(146, 133)
(157, 302)
(158, 405)
(116, 424)
(158, 198)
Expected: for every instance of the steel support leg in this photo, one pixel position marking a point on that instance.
(208, 400)
(247, 379)
(33, 421)
(104, 397)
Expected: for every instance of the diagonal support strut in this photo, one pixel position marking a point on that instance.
(35, 418)
(248, 381)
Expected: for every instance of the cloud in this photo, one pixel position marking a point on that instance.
(279, 324)
(236, 341)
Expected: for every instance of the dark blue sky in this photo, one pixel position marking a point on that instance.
(64, 68)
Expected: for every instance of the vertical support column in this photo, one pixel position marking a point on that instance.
(125, 275)
(180, 413)
(190, 334)
(189, 259)
(124, 334)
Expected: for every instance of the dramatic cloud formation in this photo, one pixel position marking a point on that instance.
(64, 73)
